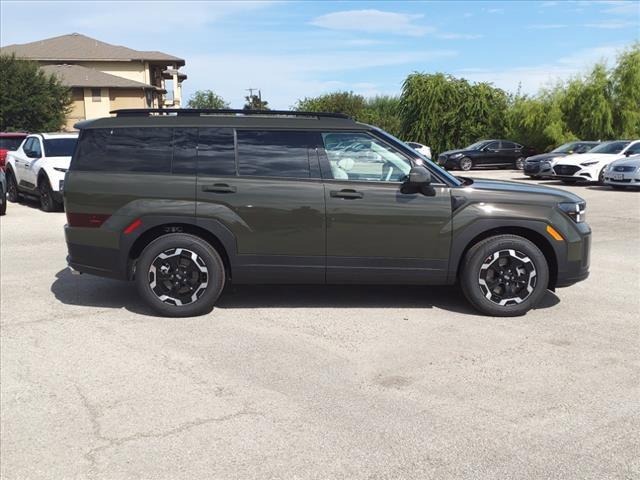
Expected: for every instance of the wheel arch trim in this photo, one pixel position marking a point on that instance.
(533, 230)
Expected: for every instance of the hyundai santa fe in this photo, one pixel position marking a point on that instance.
(183, 202)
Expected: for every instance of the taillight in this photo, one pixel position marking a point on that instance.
(3, 159)
(87, 220)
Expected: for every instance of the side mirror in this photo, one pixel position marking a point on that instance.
(419, 175)
(628, 153)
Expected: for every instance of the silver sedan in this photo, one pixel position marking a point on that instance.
(623, 173)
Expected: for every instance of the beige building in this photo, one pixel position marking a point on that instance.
(105, 77)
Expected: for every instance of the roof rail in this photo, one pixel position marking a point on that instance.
(143, 112)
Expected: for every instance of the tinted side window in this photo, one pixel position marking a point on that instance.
(492, 146)
(508, 145)
(28, 145)
(634, 149)
(275, 153)
(36, 148)
(185, 144)
(216, 152)
(125, 150)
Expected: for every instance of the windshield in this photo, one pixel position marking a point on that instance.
(10, 143)
(432, 166)
(476, 146)
(610, 147)
(574, 147)
(59, 147)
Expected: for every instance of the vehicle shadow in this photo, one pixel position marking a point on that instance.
(87, 290)
(611, 189)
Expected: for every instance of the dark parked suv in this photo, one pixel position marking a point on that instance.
(486, 153)
(184, 201)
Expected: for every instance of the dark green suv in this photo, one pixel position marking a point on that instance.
(184, 201)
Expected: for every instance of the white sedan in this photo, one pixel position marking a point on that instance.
(623, 173)
(590, 166)
(423, 149)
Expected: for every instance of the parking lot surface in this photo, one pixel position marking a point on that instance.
(319, 382)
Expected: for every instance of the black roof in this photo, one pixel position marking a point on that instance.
(152, 117)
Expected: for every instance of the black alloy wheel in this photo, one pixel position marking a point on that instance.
(178, 276)
(507, 277)
(519, 163)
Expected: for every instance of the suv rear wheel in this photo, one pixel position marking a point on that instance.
(180, 275)
(505, 275)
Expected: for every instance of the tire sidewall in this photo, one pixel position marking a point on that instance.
(474, 260)
(44, 189)
(214, 264)
(12, 187)
(465, 159)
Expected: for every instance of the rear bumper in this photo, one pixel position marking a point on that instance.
(92, 251)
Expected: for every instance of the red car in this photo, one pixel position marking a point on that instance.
(9, 142)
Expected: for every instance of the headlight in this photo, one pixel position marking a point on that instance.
(587, 164)
(456, 155)
(575, 210)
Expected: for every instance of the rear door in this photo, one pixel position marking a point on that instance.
(269, 194)
(377, 233)
(509, 152)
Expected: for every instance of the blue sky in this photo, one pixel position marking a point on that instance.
(294, 49)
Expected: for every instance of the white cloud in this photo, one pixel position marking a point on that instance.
(373, 21)
(628, 7)
(532, 78)
(285, 78)
(546, 26)
(458, 36)
(612, 25)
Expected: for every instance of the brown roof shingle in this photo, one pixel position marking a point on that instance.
(76, 47)
(79, 76)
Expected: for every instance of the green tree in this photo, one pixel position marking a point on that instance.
(255, 102)
(445, 112)
(626, 93)
(207, 99)
(588, 105)
(538, 121)
(348, 103)
(383, 111)
(30, 100)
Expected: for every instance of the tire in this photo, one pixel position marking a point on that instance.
(465, 164)
(3, 201)
(47, 202)
(526, 265)
(207, 268)
(12, 188)
(601, 176)
(518, 164)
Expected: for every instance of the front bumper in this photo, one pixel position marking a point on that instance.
(538, 169)
(573, 265)
(577, 172)
(624, 179)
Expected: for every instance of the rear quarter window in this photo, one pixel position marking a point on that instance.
(125, 150)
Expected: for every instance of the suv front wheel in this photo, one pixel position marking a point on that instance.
(505, 275)
(180, 275)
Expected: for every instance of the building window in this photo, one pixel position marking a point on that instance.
(96, 95)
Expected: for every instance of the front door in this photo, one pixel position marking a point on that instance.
(375, 232)
(28, 178)
(272, 201)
